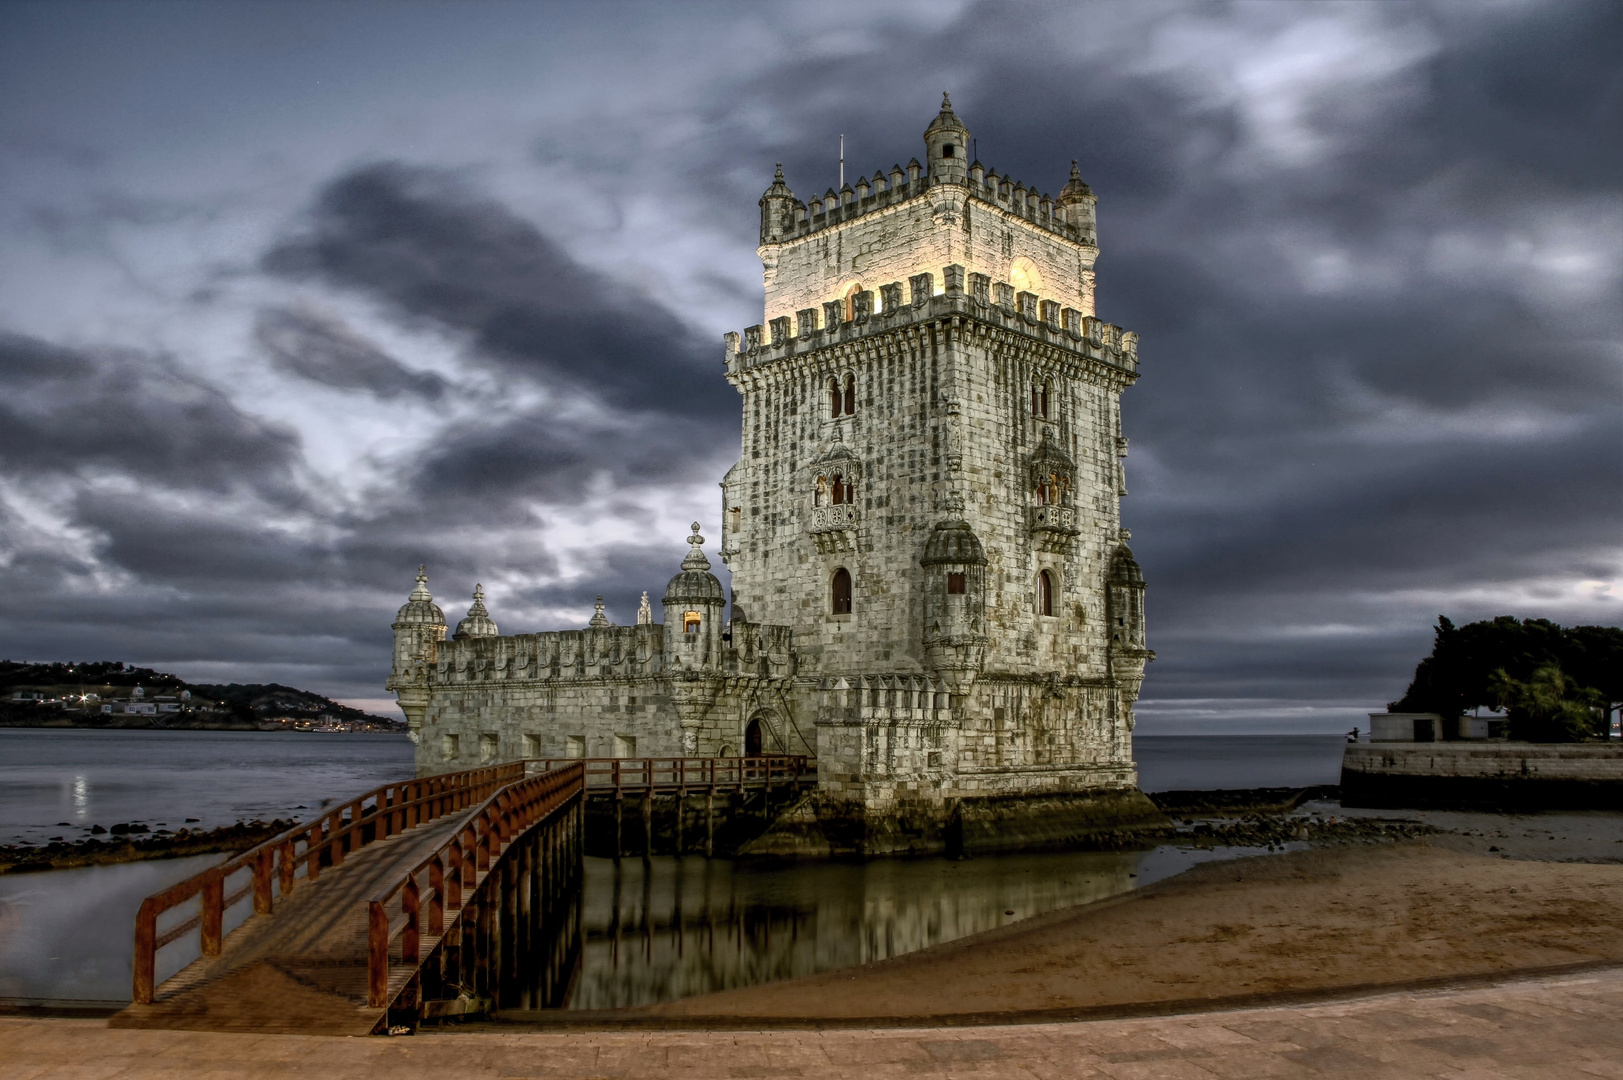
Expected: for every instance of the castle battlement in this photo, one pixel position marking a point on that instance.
(996, 303)
(985, 186)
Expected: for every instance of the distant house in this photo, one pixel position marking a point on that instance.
(1431, 727)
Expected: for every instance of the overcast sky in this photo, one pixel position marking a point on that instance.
(294, 297)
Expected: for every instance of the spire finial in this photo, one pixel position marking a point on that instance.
(421, 591)
(598, 616)
(946, 102)
(1076, 173)
(696, 559)
(478, 608)
(779, 174)
(645, 611)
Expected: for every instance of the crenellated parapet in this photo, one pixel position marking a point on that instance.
(597, 652)
(995, 305)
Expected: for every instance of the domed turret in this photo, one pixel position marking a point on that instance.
(1077, 205)
(1124, 597)
(478, 623)
(778, 206)
(954, 564)
(420, 609)
(694, 601)
(946, 143)
(695, 584)
(419, 627)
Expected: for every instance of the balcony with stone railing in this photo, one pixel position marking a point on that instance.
(1053, 525)
(832, 518)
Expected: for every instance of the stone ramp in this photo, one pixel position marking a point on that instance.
(302, 969)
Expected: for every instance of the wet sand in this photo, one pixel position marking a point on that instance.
(1322, 921)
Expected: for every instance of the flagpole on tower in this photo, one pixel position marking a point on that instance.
(842, 162)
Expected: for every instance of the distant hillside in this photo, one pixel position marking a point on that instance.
(101, 693)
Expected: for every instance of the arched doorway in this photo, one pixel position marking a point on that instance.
(752, 738)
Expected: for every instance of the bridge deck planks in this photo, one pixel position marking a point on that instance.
(303, 968)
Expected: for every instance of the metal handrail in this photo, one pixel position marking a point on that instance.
(369, 817)
(457, 865)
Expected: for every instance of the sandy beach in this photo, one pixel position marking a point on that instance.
(1321, 921)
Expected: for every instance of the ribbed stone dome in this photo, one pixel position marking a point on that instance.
(1124, 568)
(420, 609)
(695, 584)
(946, 120)
(953, 542)
(478, 623)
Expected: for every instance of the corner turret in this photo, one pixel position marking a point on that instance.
(1077, 205)
(1125, 614)
(946, 143)
(778, 208)
(419, 627)
(954, 564)
(478, 623)
(693, 604)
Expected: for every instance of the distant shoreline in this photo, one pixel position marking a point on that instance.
(153, 723)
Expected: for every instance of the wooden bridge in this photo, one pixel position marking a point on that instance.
(446, 895)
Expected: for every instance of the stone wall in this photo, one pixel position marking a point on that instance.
(1489, 776)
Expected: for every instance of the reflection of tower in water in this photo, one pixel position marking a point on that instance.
(665, 928)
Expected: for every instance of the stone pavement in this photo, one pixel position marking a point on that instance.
(1560, 1026)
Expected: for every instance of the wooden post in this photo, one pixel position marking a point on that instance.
(212, 915)
(710, 817)
(647, 823)
(285, 866)
(263, 865)
(146, 953)
(377, 955)
(410, 936)
(436, 903)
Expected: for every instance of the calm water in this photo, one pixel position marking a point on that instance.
(672, 928)
(57, 782)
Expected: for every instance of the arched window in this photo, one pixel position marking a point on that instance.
(841, 592)
(1045, 593)
(841, 492)
(850, 395)
(850, 300)
(1039, 399)
(752, 738)
(835, 398)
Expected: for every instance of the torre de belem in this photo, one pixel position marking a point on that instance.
(932, 593)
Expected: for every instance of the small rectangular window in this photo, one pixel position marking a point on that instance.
(691, 620)
(575, 746)
(532, 746)
(625, 746)
(955, 584)
(490, 745)
(948, 150)
(449, 747)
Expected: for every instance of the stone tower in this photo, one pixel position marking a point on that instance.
(932, 591)
(929, 481)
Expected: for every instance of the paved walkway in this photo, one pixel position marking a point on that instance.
(302, 969)
(1560, 1027)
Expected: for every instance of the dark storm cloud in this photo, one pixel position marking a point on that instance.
(72, 412)
(418, 241)
(324, 350)
(1362, 389)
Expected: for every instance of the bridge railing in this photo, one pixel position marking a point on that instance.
(275, 867)
(456, 868)
(678, 773)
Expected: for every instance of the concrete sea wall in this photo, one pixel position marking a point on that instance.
(1490, 776)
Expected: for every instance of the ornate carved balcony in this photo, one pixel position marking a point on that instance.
(1052, 526)
(834, 528)
(830, 518)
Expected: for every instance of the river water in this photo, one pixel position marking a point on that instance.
(655, 931)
